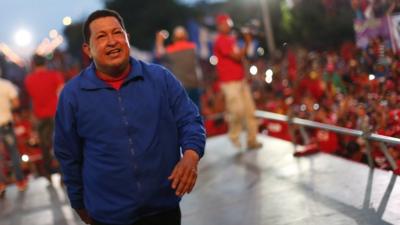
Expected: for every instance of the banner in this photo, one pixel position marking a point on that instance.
(368, 29)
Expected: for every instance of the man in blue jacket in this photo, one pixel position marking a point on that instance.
(127, 136)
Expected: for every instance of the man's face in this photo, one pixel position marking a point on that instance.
(108, 46)
(225, 26)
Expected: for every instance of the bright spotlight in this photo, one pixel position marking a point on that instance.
(268, 79)
(371, 77)
(316, 106)
(67, 21)
(25, 158)
(269, 76)
(23, 38)
(253, 70)
(269, 73)
(213, 60)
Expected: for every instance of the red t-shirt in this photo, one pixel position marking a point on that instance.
(43, 87)
(228, 69)
(312, 86)
(116, 82)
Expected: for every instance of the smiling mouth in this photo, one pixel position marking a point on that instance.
(113, 52)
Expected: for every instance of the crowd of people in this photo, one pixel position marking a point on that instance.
(350, 87)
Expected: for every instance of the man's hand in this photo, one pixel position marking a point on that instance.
(184, 175)
(84, 216)
(161, 36)
(247, 38)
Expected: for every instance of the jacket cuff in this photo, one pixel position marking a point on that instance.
(199, 151)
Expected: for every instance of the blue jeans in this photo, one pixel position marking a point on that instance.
(7, 136)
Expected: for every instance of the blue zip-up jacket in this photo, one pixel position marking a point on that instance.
(118, 147)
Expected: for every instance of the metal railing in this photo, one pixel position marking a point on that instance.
(366, 135)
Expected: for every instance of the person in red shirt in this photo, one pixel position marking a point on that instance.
(43, 86)
(239, 102)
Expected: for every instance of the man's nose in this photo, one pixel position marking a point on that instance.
(111, 40)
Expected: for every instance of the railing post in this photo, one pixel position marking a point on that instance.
(291, 130)
(365, 134)
(384, 149)
(304, 135)
(369, 153)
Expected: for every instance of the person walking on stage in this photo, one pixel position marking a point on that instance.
(43, 86)
(231, 74)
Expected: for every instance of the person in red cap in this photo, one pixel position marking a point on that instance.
(231, 74)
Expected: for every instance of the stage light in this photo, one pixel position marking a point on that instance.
(253, 70)
(269, 73)
(25, 158)
(213, 60)
(23, 38)
(371, 77)
(67, 21)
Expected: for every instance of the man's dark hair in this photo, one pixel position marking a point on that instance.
(38, 60)
(99, 14)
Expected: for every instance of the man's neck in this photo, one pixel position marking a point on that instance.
(107, 76)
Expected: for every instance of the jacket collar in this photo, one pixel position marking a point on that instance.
(90, 81)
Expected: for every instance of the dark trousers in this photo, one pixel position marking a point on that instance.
(170, 217)
(45, 129)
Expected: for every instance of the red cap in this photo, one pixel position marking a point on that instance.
(223, 18)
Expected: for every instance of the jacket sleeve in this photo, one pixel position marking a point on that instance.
(191, 132)
(68, 148)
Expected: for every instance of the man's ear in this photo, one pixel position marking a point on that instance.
(86, 49)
